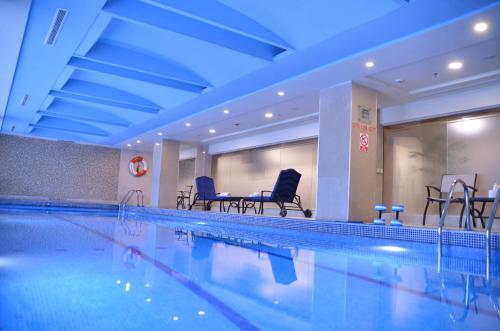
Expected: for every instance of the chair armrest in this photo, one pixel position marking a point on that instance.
(429, 187)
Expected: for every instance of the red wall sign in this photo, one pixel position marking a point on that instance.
(363, 142)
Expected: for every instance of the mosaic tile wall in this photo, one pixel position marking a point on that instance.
(57, 170)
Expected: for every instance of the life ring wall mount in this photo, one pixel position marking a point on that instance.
(138, 166)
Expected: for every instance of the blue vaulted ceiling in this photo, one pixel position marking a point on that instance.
(119, 68)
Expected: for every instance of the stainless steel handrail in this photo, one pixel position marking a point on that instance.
(445, 211)
(489, 225)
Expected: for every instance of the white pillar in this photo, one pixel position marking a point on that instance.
(165, 177)
(202, 162)
(347, 153)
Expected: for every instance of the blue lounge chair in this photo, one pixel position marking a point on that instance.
(206, 195)
(283, 194)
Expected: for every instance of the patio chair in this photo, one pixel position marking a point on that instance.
(183, 196)
(440, 194)
(206, 194)
(283, 194)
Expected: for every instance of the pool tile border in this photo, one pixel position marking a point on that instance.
(406, 233)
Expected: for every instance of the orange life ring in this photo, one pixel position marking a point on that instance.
(138, 166)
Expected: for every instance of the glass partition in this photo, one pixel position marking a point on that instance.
(419, 154)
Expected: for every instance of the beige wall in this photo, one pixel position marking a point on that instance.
(244, 172)
(128, 182)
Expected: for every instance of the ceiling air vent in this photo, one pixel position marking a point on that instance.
(55, 27)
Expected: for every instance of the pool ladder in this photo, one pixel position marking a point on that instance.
(468, 227)
(139, 195)
(445, 211)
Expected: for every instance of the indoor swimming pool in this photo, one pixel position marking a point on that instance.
(88, 272)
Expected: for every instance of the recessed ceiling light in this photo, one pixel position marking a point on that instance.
(369, 64)
(480, 27)
(129, 145)
(211, 130)
(201, 313)
(455, 65)
(281, 93)
(175, 318)
(157, 144)
(268, 115)
(160, 134)
(226, 111)
(188, 124)
(138, 141)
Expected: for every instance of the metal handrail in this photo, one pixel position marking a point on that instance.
(489, 225)
(445, 211)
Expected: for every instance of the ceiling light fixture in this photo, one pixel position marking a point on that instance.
(211, 130)
(480, 27)
(157, 144)
(369, 64)
(188, 124)
(129, 145)
(455, 65)
(160, 134)
(138, 141)
(268, 115)
(281, 93)
(226, 111)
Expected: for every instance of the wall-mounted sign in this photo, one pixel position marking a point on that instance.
(364, 114)
(363, 142)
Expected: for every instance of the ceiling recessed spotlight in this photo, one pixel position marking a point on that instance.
(129, 145)
(160, 134)
(175, 318)
(268, 115)
(201, 313)
(281, 93)
(455, 65)
(138, 141)
(480, 27)
(226, 111)
(188, 124)
(157, 144)
(211, 130)
(369, 64)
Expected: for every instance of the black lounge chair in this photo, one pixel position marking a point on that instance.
(206, 195)
(283, 194)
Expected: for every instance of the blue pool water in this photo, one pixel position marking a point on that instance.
(70, 272)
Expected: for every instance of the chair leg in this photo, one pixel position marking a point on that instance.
(425, 212)
(461, 216)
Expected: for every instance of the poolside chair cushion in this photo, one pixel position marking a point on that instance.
(286, 185)
(206, 188)
(258, 198)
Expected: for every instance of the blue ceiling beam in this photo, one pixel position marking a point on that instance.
(53, 134)
(218, 14)
(102, 94)
(106, 102)
(137, 61)
(89, 65)
(80, 112)
(65, 125)
(142, 13)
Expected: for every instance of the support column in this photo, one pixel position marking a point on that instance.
(202, 162)
(347, 153)
(165, 173)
